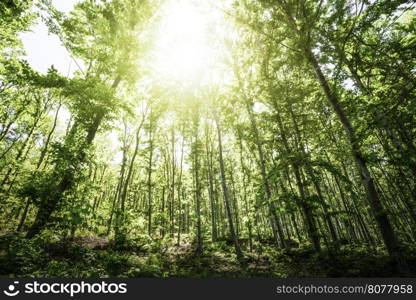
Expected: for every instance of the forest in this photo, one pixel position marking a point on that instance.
(218, 138)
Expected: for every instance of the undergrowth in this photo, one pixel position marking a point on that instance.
(53, 257)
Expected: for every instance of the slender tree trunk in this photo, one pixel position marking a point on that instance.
(179, 189)
(149, 181)
(384, 225)
(48, 139)
(210, 186)
(130, 172)
(246, 204)
(227, 203)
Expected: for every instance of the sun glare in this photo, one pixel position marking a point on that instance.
(182, 51)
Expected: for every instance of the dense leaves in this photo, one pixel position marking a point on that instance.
(301, 162)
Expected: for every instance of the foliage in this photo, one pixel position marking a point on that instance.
(291, 154)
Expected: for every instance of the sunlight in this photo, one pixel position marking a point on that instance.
(182, 50)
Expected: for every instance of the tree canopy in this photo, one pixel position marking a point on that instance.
(262, 127)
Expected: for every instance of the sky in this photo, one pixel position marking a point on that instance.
(181, 50)
(44, 49)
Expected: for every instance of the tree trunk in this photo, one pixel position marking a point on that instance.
(49, 204)
(227, 203)
(384, 225)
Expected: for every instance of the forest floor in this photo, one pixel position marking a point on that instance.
(93, 256)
